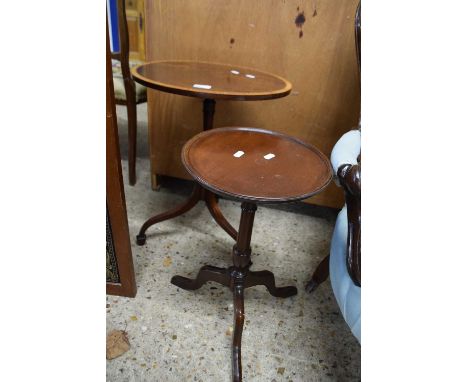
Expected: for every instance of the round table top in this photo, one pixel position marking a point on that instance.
(211, 80)
(256, 165)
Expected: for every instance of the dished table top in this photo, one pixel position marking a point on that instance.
(211, 80)
(256, 165)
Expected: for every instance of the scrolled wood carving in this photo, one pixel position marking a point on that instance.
(350, 179)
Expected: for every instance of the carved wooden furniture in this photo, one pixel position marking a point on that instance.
(120, 277)
(208, 81)
(253, 166)
(344, 262)
(126, 91)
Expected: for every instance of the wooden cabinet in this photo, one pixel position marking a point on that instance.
(311, 43)
(136, 28)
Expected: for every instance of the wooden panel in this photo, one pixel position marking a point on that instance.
(134, 10)
(117, 229)
(311, 43)
(132, 23)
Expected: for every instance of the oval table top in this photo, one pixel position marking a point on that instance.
(256, 165)
(211, 80)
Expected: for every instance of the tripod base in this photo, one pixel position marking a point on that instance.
(198, 194)
(237, 280)
(237, 277)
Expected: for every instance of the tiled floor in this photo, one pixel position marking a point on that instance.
(177, 335)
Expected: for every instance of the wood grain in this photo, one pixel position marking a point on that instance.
(115, 195)
(135, 10)
(210, 80)
(296, 171)
(321, 65)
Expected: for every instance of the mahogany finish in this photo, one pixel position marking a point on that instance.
(294, 171)
(179, 77)
(225, 81)
(252, 179)
(350, 179)
(198, 193)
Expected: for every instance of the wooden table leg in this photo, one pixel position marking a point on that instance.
(238, 293)
(241, 258)
(197, 193)
(215, 211)
(208, 113)
(205, 274)
(179, 210)
(320, 275)
(267, 279)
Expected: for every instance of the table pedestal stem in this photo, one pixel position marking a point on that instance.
(208, 113)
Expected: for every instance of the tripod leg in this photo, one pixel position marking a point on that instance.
(172, 213)
(268, 279)
(238, 292)
(205, 274)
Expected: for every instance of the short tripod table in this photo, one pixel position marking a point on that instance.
(210, 82)
(252, 166)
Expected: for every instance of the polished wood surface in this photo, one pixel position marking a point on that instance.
(350, 179)
(321, 65)
(255, 164)
(211, 80)
(115, 195)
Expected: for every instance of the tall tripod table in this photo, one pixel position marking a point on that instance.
(252, 166)
(210, 82)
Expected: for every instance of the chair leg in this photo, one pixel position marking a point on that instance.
(320, 275)
(132, 140)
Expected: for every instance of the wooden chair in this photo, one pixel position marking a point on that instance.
(126, 91)
(344, 262)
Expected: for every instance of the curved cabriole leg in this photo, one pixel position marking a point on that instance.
(215, 211)
(268, 279)
(205, 274)
(238, 292)
(320, 275)
(179, 210)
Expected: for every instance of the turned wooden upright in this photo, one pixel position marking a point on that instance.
(252, 166)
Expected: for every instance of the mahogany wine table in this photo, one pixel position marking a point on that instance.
(209, 81)
(252, 166)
